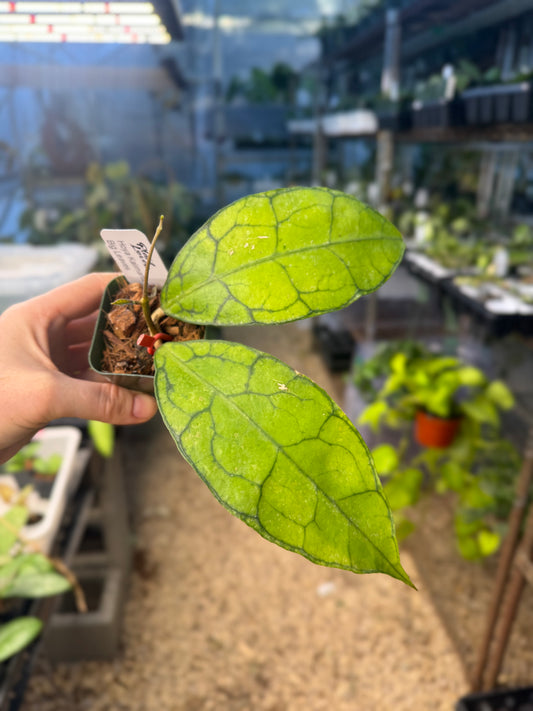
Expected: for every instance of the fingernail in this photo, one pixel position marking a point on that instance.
(144, 407)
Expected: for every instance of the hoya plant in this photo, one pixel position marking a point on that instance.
(270, 444)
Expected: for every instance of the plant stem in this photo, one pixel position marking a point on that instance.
(145, 301)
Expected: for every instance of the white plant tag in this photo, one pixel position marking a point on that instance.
(129, 249)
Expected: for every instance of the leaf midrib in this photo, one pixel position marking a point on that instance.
(214, 277)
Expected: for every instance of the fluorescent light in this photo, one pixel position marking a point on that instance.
(97, 7)
(136, 20)
(62, 7)
(16, 19)
(137, 8)
(65, 8)
(80, 33)
(34, 21)
(64, 19)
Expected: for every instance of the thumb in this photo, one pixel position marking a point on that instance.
(104, 402)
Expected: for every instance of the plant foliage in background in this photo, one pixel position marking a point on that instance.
(29, 459)
(270, 444)
(113, 198)
(480, 466)
(24, 573)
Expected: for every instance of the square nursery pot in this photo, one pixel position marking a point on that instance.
(336, 346)
(133, 381)
(395, 119)
(441, 113)
(519, 699)
(504, 103)
(145, 383)
(48, 499)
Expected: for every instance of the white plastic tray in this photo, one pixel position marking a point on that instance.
(65, 441)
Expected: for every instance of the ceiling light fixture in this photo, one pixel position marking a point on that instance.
(109, 22)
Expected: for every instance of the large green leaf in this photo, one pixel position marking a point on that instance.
(278, 453)
(279, 256)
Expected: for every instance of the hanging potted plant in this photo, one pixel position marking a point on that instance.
(270, 444)
(437, 393)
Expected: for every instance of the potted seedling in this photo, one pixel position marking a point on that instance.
(437, 393)
(478, 467)
(42, 472)
(270, 444)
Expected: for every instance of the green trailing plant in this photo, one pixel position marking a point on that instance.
(368, 375)
(270, 444)
(441, 385)
(478, 468)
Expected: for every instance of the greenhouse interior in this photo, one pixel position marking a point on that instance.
(333, 394)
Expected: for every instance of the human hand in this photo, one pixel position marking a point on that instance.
(44, 373)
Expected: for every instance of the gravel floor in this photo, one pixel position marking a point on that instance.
(219, 619)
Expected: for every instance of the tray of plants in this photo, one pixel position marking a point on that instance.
(40, 478)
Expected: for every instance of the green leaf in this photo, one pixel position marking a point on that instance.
(452, 477)
(16, 564)
(481, 409)
(488, 541)
(278, 453)
(103, 437)
(372, 414)
(17, 634)
(10, 525)
(31, 575)
(48, 466)
(36, 585)
(385, 459)
(280, 256)
(500, 395)
(404, 488)
(470, 376)
(404, 528)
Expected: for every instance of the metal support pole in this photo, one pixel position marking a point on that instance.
(507, 557)
(218, 109)
(390, 76)
(390, 88)
(517, 582)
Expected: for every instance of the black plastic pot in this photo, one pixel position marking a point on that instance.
(504, 103)
(336, 347)
(438, 114)
(520, 699)
(399, 119)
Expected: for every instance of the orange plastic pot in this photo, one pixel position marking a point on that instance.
(433, 431)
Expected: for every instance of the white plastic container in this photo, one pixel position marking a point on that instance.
(29, 270)
(65, 441)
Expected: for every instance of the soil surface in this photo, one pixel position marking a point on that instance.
(126, 322)
(218, 619)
